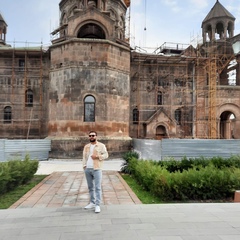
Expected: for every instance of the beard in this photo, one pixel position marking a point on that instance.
(92, 140)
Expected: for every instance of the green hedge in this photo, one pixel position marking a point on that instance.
(16, 172)
(185, 163)
(203, 179)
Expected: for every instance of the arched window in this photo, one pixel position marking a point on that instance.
(89, 109)
(91, 30)
(135, 116)
(94, 2)
(178, 116)
(159, 98)
(29, 98)
(7, 115)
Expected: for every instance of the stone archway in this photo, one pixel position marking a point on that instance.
(91, 30)
(227, 125)
(161, 132)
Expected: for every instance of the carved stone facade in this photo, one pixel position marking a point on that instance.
(186, 92)
(24, 82)
(90, 79)
(89, 75)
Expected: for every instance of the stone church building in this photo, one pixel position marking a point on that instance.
(91, 79)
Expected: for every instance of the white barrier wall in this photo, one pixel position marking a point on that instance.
(17, 149)
(191, 148)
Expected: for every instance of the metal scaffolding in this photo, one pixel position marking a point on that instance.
(22, 73)
(188, 80)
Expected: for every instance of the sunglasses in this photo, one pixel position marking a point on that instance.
(91, 135)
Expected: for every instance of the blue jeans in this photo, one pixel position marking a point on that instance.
(94, 181)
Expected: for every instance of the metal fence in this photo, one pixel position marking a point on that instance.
(179, 148)
(17, 149)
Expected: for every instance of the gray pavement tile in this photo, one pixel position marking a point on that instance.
(141, 222)
(119, 227)
(229, 237)
(80, 235)
(211, 225)
(127, 238)
(164, 232)
(13, 232)
(98, 221)
(167, 238)
(173, 225)
(47, 230)
(196, 219)
(123, 234)
(6, 221)
(54, 236)
(65, 223)
(125, 220)
(89, 228)
(27, 220)
(234, 218)
(213, 237)
(142, 226)
(214, 231)
(17, 214)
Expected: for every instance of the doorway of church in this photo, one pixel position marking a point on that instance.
(161, 132)
(227, 125)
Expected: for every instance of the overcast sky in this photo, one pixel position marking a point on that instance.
(153, 22)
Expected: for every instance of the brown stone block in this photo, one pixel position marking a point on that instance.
(52, 127)
(237, 196)
(74, 128)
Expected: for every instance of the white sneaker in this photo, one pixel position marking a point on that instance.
(97, 209)
(90, 206)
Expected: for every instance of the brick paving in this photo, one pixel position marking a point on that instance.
(68, 189)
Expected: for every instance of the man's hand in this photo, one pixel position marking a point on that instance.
(94, 157)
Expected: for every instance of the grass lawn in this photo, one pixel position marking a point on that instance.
(144, 196)
(7, 199)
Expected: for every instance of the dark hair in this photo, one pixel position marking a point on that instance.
(93, 132)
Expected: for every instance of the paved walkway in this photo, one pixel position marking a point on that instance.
(54, 211)
(68, 189)
(66, 186)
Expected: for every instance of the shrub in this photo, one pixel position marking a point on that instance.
(185, 163)
(128, 164)
(4, 177)
(204, 179)
(16, 172)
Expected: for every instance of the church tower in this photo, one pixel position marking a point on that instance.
(89, 76)
(219, 75)
(3, 30)
(218, 24)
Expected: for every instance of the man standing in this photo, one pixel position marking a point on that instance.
(94, 154)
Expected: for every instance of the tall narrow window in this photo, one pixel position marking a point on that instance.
(159, 98)
(135, 116)
(178, 116)
(21, 65)
(29, 98)
(207, 78)
(7, 115)
(89, 109)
